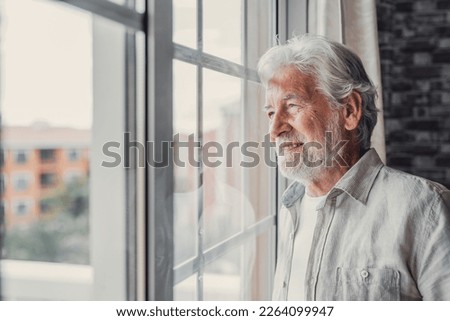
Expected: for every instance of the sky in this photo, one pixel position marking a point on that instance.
(45, 64)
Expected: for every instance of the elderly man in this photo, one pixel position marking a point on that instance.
(350, 228)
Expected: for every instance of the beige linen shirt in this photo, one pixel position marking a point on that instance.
(381, 234)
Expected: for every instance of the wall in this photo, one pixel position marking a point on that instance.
(415, 60)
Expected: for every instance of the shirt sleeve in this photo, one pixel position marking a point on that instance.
(434, 254)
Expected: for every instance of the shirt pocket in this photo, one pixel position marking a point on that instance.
(367, 284)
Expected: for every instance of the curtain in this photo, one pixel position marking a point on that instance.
(353, 23)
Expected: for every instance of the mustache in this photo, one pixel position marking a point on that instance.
(289, 140)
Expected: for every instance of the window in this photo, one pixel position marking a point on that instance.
(73, 155)
(47, 155)
(22, 207)
(45, 206)
(2, 157)
(3, 206)
(20, 156)
(2, 183)
(223, 211)
(21, 181)
(47, 179)
(85, 87)
(158, 71)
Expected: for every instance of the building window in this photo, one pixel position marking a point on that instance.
(2, 184)
(45, 206)
(47, 179)
(47, 155)
(73, 155)
(20, 156)
(21, 181)
(22, 207)
(2, 156)
(3, 206)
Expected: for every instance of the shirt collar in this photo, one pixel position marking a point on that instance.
(356, 182)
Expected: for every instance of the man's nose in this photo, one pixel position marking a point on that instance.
(279, 126)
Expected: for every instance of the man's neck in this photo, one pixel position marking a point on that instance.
(328, 178)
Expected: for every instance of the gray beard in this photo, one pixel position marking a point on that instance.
(293, 165)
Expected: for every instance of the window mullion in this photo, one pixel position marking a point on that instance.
(200, 218)
(160, 185)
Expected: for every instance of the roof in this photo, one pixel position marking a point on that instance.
(41, 135)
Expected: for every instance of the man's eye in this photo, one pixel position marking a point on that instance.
(293, 106)
(270, 114)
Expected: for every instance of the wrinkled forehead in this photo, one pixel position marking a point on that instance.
(288, 79)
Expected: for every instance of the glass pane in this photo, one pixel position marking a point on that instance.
(185, 22)
(47, 114)
(243, 273)
(259, 29)
(222, 29)
(260, 266)
(222, 278)
(186, 290)
(185, 172)
(139, 5)
(62, 99)
(259, 162)
(226, 208)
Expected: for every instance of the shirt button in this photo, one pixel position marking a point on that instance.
(364, 273)
(291, 236)
(284, 284)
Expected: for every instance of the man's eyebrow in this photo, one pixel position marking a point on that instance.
(266, 108)
(290, 96)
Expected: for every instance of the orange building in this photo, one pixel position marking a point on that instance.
(35, 160)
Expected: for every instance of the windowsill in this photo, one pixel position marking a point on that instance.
(28, 280)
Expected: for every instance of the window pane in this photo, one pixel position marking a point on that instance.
(185, 22)
(222, 29)
(185, 173)
(259, 29)
(186, 290)
(259, 165)
(51, 64)
(226, 209)
(222, 278)
(53, 74)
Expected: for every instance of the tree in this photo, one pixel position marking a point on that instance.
(60, 235)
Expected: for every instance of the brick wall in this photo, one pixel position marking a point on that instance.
(415, 62)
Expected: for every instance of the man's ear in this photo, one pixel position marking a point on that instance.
(352, 110)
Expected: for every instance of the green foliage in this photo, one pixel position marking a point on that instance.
(62, 235)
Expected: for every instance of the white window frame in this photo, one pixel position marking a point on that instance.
(124, 262)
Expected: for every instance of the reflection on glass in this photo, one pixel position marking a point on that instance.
(222, 278)
(47, 117)
(185, 174)
(258, 160)
(186, 290)
(185, 22)
(226, 209)
(222, 29)
(259, 29)
(260, 267)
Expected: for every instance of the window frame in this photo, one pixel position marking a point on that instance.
(148, 188)
(160, 214)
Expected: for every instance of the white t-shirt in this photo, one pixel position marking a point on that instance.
(307, 212)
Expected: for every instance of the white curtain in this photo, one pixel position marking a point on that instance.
(354, 23)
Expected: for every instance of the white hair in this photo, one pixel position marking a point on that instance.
(337, 70)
